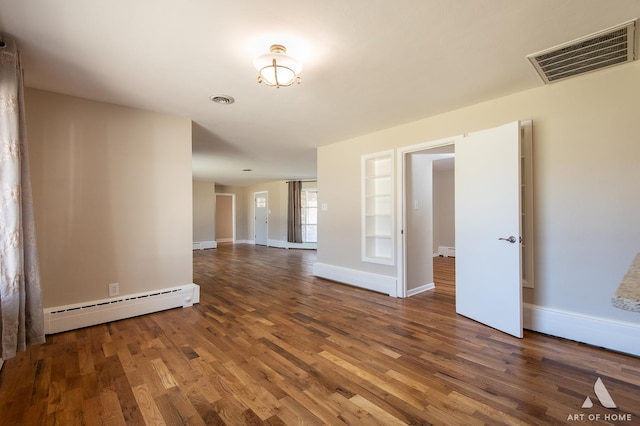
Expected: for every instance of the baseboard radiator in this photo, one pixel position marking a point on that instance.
(71, 317)
(203, 245)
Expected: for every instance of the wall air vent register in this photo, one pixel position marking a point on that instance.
(604, 49)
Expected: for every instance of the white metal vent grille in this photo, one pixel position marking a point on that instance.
(603, 49)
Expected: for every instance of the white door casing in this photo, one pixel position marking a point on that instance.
(434, 148)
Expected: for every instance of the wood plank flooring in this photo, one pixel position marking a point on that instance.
(269, 344)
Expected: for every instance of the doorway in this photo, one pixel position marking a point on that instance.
(426, 212)
(225, 218)
(489, 187)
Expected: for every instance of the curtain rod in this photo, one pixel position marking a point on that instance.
(308, 180)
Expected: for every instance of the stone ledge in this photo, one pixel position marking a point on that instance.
(627, 296)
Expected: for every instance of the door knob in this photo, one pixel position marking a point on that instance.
(511, 239)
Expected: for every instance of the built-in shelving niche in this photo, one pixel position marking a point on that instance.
(378, 208)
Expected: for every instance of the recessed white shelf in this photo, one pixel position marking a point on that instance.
(377, 208)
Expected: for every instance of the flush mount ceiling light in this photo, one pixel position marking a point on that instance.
(276, 68)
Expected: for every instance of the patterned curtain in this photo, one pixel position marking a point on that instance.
(21, 317)
(294, 216)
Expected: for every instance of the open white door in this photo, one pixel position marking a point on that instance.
(487, 219)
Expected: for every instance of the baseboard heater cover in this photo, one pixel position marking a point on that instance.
(446, 251)
(203, 245)
(79, 315)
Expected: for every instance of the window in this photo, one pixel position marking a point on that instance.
(309, 215)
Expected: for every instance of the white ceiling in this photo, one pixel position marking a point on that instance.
(368, 64)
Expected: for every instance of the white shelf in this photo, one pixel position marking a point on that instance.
(377, 208)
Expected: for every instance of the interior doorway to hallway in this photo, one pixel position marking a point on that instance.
(428, 214)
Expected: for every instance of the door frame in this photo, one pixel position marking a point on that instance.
(401, 246)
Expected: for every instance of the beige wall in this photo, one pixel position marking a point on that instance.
(204, 211)
(586, 185)
(443, 209)
(112, 195)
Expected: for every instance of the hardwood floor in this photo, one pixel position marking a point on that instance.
(271, 344)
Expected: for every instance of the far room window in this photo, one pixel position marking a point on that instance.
(310, 215)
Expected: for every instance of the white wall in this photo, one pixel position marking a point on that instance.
(586, 186)
(112, 197)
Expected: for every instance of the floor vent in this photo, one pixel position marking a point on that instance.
(594, 52)
(70, 317)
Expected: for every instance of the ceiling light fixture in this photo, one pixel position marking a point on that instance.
(276, 68)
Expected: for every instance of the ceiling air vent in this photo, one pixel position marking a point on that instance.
(222, 99)
(603, 49)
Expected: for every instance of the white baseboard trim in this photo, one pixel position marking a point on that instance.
(79, 315)
(420, 289)
(618, 336)
(380, 283)
(202, 245)
(277, 243)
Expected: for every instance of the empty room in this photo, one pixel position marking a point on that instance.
(339, 212)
